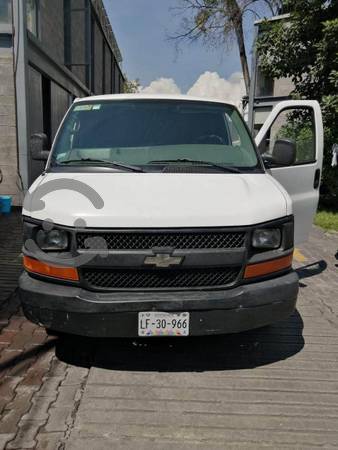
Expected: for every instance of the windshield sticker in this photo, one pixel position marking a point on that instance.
(96, 107)
(83, 108)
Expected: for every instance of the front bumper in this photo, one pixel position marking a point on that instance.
(74, 310)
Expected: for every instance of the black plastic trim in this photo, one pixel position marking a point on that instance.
(193, 258)
(74, 310)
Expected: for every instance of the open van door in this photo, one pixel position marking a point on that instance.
(291, 143)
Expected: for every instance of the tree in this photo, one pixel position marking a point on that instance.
(131, 86)
(219, 22)
(305, 48)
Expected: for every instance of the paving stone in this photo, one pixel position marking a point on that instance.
(75, 376)
(15, 323)
(34, 377)
(9, 358)
(66, 395)
(36, 340)
(39, 330)
(25, 437)
(7, 387)
(152, 444)
(58, 418)
(21, 340)
(208, 434)
(45, 359)
(4, 439)
(39, 409)
(14, 411)
(58, 368)
(52, 441)
(7, 336)
(3, 346)
(29, 327)
(50, 387)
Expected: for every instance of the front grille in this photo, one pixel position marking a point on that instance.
(149, 240)
(152, 278)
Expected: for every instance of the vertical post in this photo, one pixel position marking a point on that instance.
(103, 65)
(21, 82)
(254, 67)
(88, 44)
(67, 13)
(111, 73)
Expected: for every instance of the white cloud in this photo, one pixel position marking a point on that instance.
(209, 84)
(161, 86)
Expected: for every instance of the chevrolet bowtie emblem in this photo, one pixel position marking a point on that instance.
(163, 260)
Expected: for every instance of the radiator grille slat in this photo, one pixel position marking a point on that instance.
(152, 278)
(149, 240)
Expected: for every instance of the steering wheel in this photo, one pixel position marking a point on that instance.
(210, 139)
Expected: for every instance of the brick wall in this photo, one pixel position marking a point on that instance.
(8, 150)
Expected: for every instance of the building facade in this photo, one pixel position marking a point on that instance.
(50, 53)
(265, 91)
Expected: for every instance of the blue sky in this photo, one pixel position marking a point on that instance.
(141, 28)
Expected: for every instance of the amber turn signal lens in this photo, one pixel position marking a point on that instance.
(41, 268)
(266, 267)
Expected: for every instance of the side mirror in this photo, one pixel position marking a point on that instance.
(283, 154)
(38, 144)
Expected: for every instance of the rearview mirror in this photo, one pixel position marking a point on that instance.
(38, 144)
(283, 153)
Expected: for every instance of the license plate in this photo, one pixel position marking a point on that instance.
(163, 324)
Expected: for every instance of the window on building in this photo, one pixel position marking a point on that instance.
(264, 85)
(33, 16)
(6, 41)
(5, 11)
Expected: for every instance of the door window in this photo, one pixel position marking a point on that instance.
(5, 12)
(295, 125)
(33, 16)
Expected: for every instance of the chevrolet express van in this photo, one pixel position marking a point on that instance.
(160, 216)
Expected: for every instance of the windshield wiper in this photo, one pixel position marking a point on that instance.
(196, 161)
(105, 162)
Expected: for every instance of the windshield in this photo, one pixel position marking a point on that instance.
(148, 133)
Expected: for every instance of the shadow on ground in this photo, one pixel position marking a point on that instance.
(237, 351)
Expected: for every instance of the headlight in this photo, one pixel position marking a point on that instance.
(268, 238)
(52, 240)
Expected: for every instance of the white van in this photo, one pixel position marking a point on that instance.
(160, 216)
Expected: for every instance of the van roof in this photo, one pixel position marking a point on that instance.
(150, 97)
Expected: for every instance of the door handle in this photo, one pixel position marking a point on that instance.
(316, 179)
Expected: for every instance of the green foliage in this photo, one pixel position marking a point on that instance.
(131, 86)
(302, 136)
(305, 48)
(220, 23)
(327, 220)
(299, 129)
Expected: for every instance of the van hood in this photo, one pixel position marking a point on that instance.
(156, 200)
